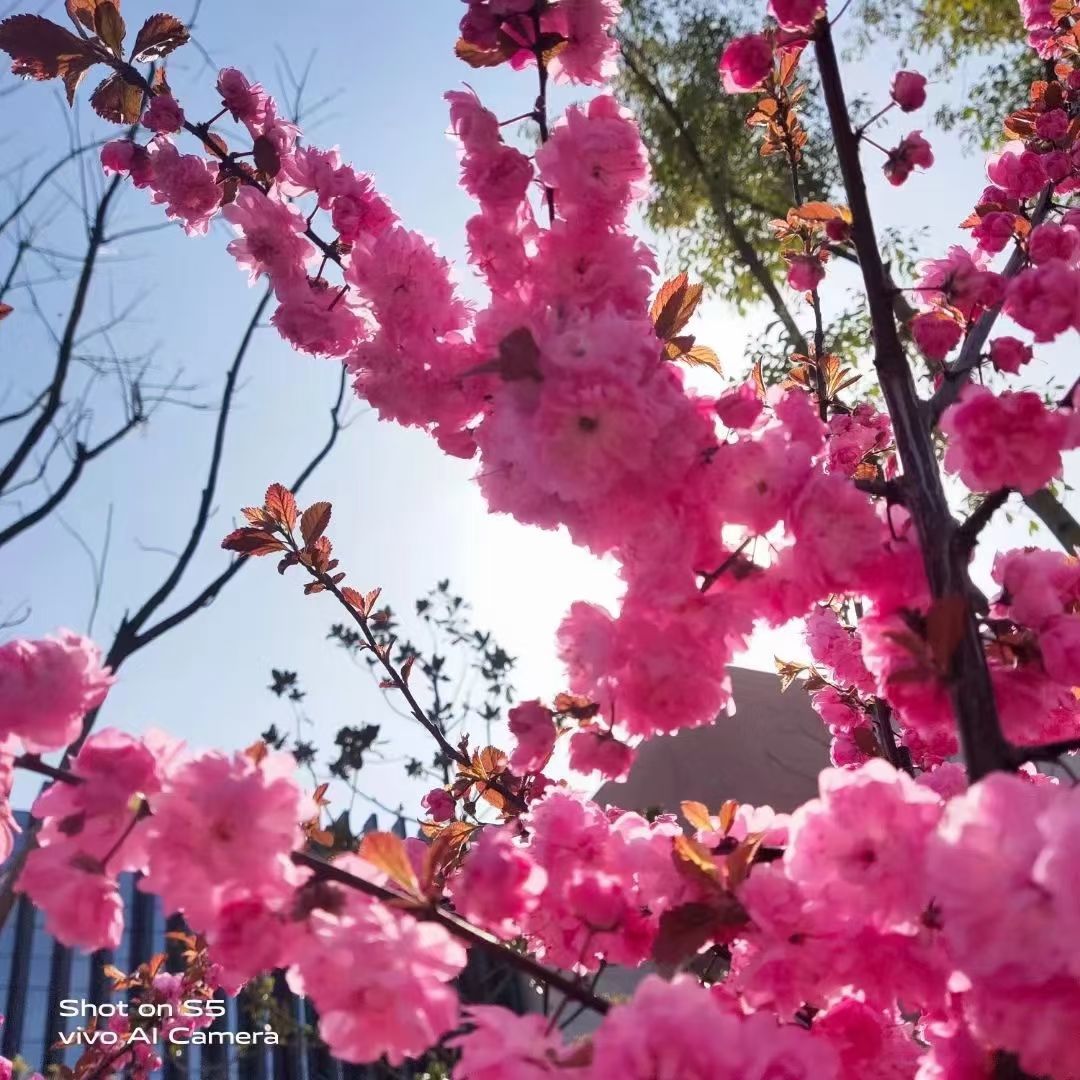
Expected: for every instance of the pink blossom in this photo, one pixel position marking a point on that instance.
(745, 63)
(1052, 125)
(47, 686)
(856, 435)
(378, 977)
(936, 334)
(475, 126)
(1009, 354)
(859, 850)
(407, 284)
(590, 52)
(500, 884)
(1053, 241)
(246, 101)
(357, 210)
(163, 116)
(439, 804)
(595, 161)
(837, 648)
(1045, 299)
(309, 169)
(313, 318)
(994, 231)
(1017, 171)
(740, 406)
(1037, 585)
(805, 272)
(913, 152)
(960, 281)
(1003, 440)
(249, 937)
(533, 727)
(272, 240)
(501, 1044)
(1059, 643)
(595, 750)
(187, 186)
(223, 825)
(82, 903)
(868, 1041)
(645, 1038)
(908, 90)
(796, 14)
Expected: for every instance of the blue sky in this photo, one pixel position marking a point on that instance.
(404, 515)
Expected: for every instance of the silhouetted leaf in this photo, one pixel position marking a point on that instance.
(160, 34)
(117, 101)
(40, 49)
(109, 25)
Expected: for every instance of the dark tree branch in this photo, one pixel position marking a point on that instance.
(83, 456)
(1050, 511)
(22, 413)
(210, 592)
(719, 198)
(984, 745)
(54, 394)
(967, 535)
(21, 249)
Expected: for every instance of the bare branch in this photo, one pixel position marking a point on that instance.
(65, 349)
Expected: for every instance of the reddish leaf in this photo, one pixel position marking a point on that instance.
(817, 212)
(160, 34)
(5, 311)
(727, 815)
(683, 932)
(314, 521)
(267, 158)
(406, 668)
(519, 358)
(74, 75)
(386, 852)
(353, 598)
(694, 862)
(248, 541)
(698, 815)
(478, 57)
(945, 625)
(117, 101)
(257, 516)
(675, 303)
(370, 600)
(702, 356)
(737, 864)
(281, 506)
(39, 49)
(81, 12)
(257, 751)
(109, 25)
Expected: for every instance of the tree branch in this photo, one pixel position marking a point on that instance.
(984, 745)
(54, 395)
(83, 456)
(1051, 512)
(967, 534)
(327, 871)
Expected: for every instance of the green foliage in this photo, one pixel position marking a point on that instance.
(710, 181)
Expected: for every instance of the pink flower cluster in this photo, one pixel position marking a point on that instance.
(47, 686)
